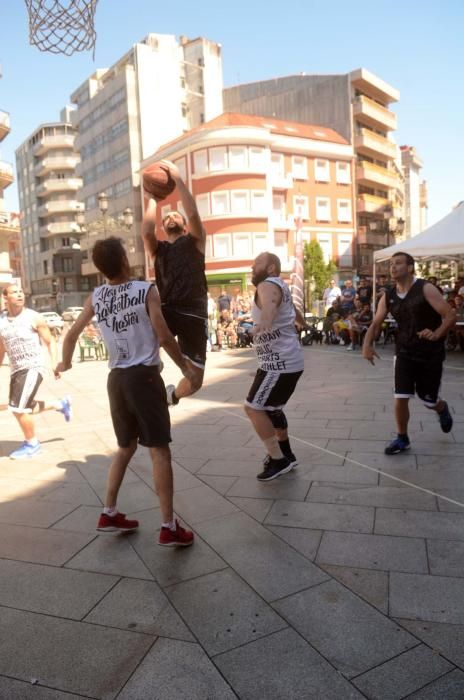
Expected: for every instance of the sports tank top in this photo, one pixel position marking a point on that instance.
(21, 340)
(180, 276)
(413, 313)
(125, 325)
(280, 349)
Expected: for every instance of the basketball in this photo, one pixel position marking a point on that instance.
(157, 181)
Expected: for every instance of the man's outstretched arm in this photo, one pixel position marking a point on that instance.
(150, 242)
(190, 207)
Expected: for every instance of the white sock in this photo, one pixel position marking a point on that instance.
(110, 510)
(171, 525)
(33, 442)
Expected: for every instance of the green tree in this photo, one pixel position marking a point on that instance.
(318, 273)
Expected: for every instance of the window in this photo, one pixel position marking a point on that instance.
(239, 203)
(258, 202)
(218, 158)
(277, 164)
(344, 210)
(45, 267)
(182, 168)
(323, 209)
(200, 162)
(180, 209)
(222, 245)
(342, 171)
(325, 241)
(257, 158)
(300, 207)
(238, 158)
(321, 170)
(281, 243)
(202, 201)
(242, 246)
(299, 167)
(68, 284)
(219, 203)
(345, 253)
(209, 247)
(260, 243)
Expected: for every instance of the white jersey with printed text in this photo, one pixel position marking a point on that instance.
(280, 349)
(21, 340)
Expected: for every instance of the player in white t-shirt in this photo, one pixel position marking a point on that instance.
(21, 333)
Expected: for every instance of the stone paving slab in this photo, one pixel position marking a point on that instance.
(447, 639)
(40, 546)
(305, 541)
(378, 552)
(413, 523)
(202, 503)
(348, 632)
(221, 484)
(436, 478)
(446, 558)
(140, 606)
(258, 508)
(280, 666)
(11, 689)
(321, 515)
(76, 494)
(448, 687)
(294, 489)
(431, 598)
(51, 590)
(403, 675)
(33, 512)
(339, 474)
(177, 670)
(371, 586)
(378, 496)
(81, 519)
(111, 553)
(222, 611)
(67, 655)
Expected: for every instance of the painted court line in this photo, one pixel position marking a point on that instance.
(360, 464)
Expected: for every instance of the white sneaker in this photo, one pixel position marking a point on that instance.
(172, 400)
(350, 347)
(342, 342)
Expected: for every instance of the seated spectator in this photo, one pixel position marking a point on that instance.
(341, 327)
(364, 291)
(381, 288)
(244, 325)
(360, 320)
(226, 332)
(333, 314)
(224, 301)
(212, 322)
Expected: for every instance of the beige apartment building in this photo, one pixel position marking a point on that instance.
(163, 86)
(415, 194)
(47, 185)
(6, 228)
(358, 106)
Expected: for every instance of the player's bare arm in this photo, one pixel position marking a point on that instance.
(73, 334)
(47, 339)
(269, 298)
(373, 331)
(165, 337)
(190, 207)
(150, 242)
(448, 314)
(2, 351)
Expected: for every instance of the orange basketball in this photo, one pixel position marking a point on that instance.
(157, 181)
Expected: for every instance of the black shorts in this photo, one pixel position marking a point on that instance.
(419, 376)
(138, 405)
(191, 333)
(23, 388)
(271, 390)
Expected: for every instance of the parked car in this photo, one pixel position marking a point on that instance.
(71, 313)
(53, 319)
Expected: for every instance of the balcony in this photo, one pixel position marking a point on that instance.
(57, 141)
(371, 238)
(56, 163)
(373, 114)
(281, 221)
(59, 207)
(4, 124)
(280, 181)
(58, 185)
(64, 228)
(372, 175)
(6, 174)
(373, 145)
(371, 204)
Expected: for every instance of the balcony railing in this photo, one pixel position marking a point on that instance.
(281, 181)
(59, 206)
(371, 204)
(56, 163)
(373, 113)
(367, 173)
(57, 141)
(6, 174)
(4, 124)
(58, 185)
(367, 237)
(373, 144)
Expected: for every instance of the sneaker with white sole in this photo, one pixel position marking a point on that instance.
(66, 409)
(116, 523)
(26, 451)
(171, 397)
(274, 468)
(291, 457)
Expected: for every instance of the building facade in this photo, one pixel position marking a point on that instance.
(47, 185)
(6, 229)
(161, 88)
(357, 106)
(256, 181)
(414, 198)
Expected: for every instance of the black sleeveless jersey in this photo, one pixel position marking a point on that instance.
(413, 314)
(180, 276)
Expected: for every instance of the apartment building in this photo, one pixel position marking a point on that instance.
(255, 180)
(6, 179)
(47, 185)
(159, 89)
(357, 105)
(413, 191)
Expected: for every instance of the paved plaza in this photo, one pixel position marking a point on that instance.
(342, 579)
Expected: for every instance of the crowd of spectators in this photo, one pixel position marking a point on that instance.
(229, 321)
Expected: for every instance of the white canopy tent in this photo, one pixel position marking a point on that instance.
(443, 240)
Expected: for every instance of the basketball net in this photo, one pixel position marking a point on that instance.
(62, 26)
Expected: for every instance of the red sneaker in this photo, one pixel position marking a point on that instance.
(180, 537)
(116, 523)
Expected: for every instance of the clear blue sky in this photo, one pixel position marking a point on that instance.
(417, 46)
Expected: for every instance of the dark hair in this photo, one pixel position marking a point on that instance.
(409, 259)
(109, 257)
(273, 259)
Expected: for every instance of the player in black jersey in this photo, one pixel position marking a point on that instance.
(180, 277)
(423, 319)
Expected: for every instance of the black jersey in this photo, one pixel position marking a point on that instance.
(180, 276)
(414, 314)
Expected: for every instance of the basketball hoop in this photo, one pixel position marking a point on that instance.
(62, 26)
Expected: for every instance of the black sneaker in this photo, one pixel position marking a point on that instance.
(446, 419)
(291, 457)
(274, 468)
(397, 445)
